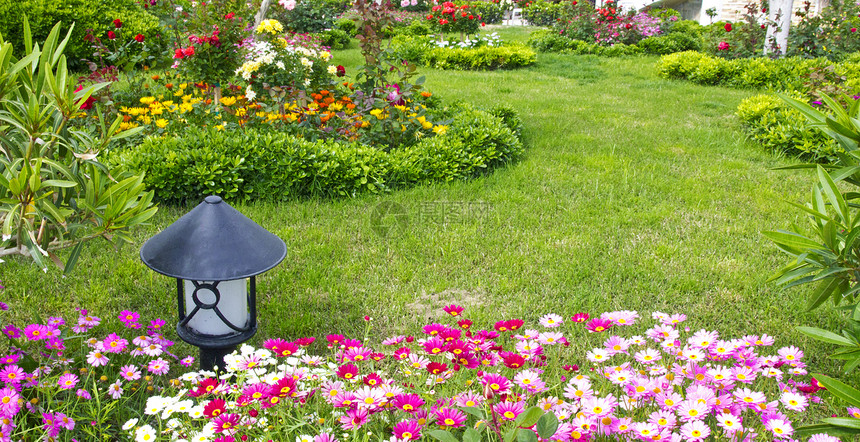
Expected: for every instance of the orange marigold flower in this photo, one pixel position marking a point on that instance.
(426, 94)
(323, 92)
(156, 77)
(169, 85)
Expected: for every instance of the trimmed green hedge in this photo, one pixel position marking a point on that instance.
(260, 165)
(97, 15)
(785, 74)
(548, 40)
(483, 58)
(779, 128)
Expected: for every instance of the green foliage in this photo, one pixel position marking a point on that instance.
(334, 38)
(483, 58)
(829, 256)
(827, 34)
(263, 165)
(54, 193)
(688, 27)
(779, 128)
(509, 117)
(412, 49)
(346, 25)
(548, 40)
(543, 13)
(669, 43)
(85, 14)
(310, 16)
(491, 12)
(785, 74)
(416, 28)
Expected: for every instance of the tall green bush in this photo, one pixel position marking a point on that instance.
(97, 15)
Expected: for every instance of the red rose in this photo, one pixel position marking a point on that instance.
(117, 23)
(111, 35)
(853, 29)
(723, 46)
(189, 51)
(763, 26)
(178, 54)
(139, 38)
(483, 24)
(728, 27)
(628, 26)
(471, 17)
(230, 16)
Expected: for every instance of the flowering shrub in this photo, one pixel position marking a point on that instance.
(510, 381)
(70, 378)
(831, 34)
(214, 35)
(449, 17)
(477, 41)
(282, 66)
(609, 24)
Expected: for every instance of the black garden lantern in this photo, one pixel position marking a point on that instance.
(214, 252)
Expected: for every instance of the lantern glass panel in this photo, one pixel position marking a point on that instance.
(231, 300)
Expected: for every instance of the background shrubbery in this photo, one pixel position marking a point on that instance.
(96, 15)
(257, 164)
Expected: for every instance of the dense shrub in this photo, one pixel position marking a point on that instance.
(779, 128)
(334, 38)
(543, 13)
(786, 74)
(97, 15)
(669, 43)
(483, 58)
(491, 12)
(310, 16)
(267, 165)
(547, 40)
(347, 25)
(831, 34)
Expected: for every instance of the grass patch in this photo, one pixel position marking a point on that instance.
(635, 193)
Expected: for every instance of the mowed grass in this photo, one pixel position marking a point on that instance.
(635, 193)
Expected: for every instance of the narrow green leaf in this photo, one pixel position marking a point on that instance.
(824, 335)
(833, 195)
(839, 389)
(792, 240)
(844, 422)
(73, 258)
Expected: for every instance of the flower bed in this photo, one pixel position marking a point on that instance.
(258, 164)
(482, 52)
(641, 380)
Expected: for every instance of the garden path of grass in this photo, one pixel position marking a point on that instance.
(635, 193)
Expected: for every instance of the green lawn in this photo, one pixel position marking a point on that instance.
(635, 193)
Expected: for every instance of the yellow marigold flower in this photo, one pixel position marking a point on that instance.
(220, 126)
(127, 125)
(241, 112)
(426, 124)
(183, 85)
(365, 124)
(376, 112)
(147, 100)
(167, 103)
(261, 114)
(185, 107)
(313, 106)
(145, 119)
(161, 123)
(440, 129)
(157, 111)
(336, 107)
(401, 108)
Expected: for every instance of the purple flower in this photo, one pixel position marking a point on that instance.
(83, 394)
(67, 381)
(817, 103)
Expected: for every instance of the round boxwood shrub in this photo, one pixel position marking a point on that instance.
(97, 15)
(263, 165)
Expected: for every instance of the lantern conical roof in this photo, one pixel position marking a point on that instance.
(213, 242)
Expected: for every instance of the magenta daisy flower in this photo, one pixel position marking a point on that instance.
(83, 394)
(156, 324)
(67, 381)
(186, 361)
(97, 358)
(450, 417)
(113, 343)
(579, 317)
(226, 423)
(9, 405)
(128, 317)
(407, 430)
(509, 410)
(497, 383)
(409, 403)
(129, 372)
(347, 371)
(88, 320)
(598, 325)
(36, 332)
(12, 331)
(158, 366)
(10, 359)
(12, 374)
(453, 310)
(354, 419)
(281, 347)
